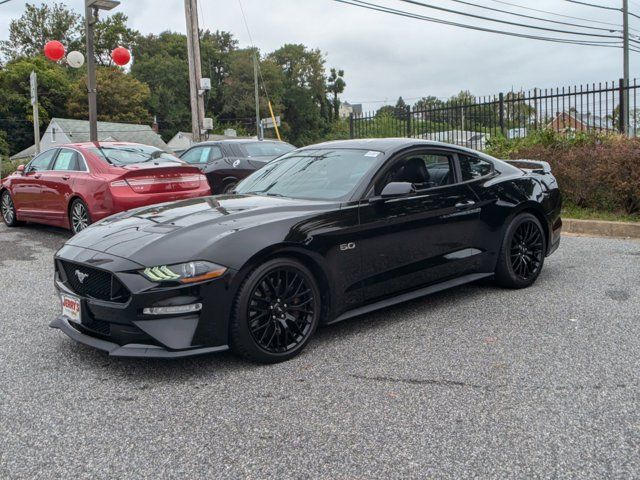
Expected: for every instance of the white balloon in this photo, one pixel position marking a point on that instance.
(75, 59)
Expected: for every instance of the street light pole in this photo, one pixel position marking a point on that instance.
(91, 8)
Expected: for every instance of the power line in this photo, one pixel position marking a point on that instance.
(534, 18)
(246, 25)
(506, 22)
(4, 1)
(593, 5)
(402, 13)
(556, 14)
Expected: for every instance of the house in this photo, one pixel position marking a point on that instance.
(581, 122)
(347, 109)
(464, 138)
(66, 130)
(183, 140)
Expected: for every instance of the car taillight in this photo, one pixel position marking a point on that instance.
(161, 183)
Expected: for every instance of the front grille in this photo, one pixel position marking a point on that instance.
(94, 283)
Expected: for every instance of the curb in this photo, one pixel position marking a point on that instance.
(601, 228)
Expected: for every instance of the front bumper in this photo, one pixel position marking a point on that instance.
(129, 350)
(119, 326)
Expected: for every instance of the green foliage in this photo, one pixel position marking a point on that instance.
(39, 24)
(596, 171)
(122, 98)
(15, 106)
(109, 33)
(335, 86)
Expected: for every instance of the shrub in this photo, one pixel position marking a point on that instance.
(597, 171)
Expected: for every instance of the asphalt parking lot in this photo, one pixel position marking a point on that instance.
(473, 382)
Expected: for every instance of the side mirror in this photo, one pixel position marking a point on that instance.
(20, 169)
(397, 189)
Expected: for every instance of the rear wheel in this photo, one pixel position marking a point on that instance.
(79, 217)
(229, 187)
(522, 253)
(8, 210)
(276, 312)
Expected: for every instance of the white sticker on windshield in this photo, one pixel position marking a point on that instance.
(371, 153)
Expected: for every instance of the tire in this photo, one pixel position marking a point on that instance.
(228, 187)
(79, 216)
(276, 312)
(8, 210)
(522, 253)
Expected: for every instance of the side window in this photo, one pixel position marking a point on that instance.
(197, 155)
(66, 160)
(216, 153)
(472, 167)
(42, 161)
(423, 170)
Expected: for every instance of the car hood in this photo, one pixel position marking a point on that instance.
(188, 229)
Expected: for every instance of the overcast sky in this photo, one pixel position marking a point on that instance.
(385, 56)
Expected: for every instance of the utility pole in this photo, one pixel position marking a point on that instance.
(255, 81)
(91, 8)
(33, 81)
(625, 48)
(195, 72)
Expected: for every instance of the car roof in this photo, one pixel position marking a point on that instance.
(103, 144)
(238, 140)
(385, 145)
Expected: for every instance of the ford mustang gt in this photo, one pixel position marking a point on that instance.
(319, 235)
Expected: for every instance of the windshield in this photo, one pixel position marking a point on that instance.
(129, 154)
(266, 149)
(312, 174)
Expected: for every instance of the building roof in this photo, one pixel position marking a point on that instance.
(78, 131)
(26, 153)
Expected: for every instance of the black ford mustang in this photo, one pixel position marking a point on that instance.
(321, 234)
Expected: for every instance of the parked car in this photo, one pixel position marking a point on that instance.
(74, 185)
(321, 234)
(226, 162)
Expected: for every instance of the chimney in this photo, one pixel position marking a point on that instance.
(154, 126)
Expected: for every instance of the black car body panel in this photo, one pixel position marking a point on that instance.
(225, 162)
(364, 250)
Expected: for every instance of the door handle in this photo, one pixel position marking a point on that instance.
(65, 177)
(37, 175)
(465, 204)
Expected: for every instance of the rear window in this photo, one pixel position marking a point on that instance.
(130, 154)
(266, 149)
(472, 167)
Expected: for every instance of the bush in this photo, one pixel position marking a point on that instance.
(596, 171)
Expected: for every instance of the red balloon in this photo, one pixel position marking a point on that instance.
(120, 56)
(54, 50)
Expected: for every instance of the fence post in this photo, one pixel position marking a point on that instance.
(409, 121)
(351, 125)
(622, 114)
(501, 117)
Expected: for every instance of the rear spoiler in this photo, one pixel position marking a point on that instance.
(536, 166)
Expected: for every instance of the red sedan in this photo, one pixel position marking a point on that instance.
(74, 185)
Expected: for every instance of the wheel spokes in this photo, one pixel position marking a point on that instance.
(281, 310)
(526, 249)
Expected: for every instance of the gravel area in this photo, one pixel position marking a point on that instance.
(473, 382)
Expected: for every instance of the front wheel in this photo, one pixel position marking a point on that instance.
(79, 217)
(522, 253)
(8, 210)
(276, 312)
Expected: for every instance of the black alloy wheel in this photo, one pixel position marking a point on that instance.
(8, 210)
(79, 216)
(229, 187)
(522, 254)
(276, 313)
(527, 248)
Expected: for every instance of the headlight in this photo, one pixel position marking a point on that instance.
(189, 272)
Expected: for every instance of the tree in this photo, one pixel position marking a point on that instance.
(335, 86)
(122, 98)
(110, 32)
(428, 103)
(54, 86)
(386, 110)
(304, 94)
(39, 24)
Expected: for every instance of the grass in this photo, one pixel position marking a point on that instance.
(571, 211)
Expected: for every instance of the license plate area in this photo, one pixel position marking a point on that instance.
(71, 307)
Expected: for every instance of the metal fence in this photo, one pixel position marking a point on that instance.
(595, 107)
